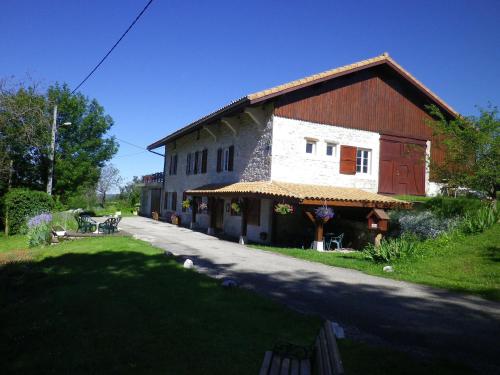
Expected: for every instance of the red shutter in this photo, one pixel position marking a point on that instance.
(219, 160)
(204, 156)
(230, 163)
(348, 159)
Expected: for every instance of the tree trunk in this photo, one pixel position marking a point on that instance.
(103, 201)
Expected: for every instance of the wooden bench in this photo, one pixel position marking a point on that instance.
(324, 359)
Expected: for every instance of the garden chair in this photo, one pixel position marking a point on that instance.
(337, 240)
(85, 224)
(109, 226)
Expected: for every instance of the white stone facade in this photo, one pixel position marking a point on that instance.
(291, 163)
(252, 158)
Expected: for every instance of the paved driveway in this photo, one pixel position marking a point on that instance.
(410, 316)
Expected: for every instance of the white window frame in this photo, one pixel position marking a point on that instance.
(334, 149)
(314, 143)
(364, 161)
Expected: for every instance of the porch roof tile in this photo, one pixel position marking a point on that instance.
(302, 192)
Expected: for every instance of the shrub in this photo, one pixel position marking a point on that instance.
(447, 207)
(424, 224)
(21, 204)
(39, 230)
(392, 249)
(478, 220)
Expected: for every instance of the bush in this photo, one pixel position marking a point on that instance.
(392, 249)
(21, 204)
(39, 230)
(424, 224)
(478, 220)
(447, 207)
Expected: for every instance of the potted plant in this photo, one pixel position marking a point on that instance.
(324, 213)
(202, 206)
(186, 204)
(174, 219)
(235, 207)
(284, 209)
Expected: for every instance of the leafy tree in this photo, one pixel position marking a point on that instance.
(472, 150)
(110, 178)
(131, 191)
(82, 149)
(24, 136)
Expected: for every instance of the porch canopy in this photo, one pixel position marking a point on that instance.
(304, 194)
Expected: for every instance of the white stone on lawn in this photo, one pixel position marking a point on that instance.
(188, 264)
(388, 269)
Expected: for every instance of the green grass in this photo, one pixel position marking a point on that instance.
(469, 264)
(118, 305)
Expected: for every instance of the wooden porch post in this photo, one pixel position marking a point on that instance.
(194, 207)
(211, 216)
(244, 221)
(318, 232)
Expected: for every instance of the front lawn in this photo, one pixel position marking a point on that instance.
(466, 263)
(118, 305)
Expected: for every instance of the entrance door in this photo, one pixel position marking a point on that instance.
(219, 214)
(402, 166)
(155, 200)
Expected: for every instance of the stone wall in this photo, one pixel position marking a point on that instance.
(291, 163)
(252, 159)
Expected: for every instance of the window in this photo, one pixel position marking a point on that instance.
(219, 160)
(310, 147)
(233, 212)
(173, 204)
(173, 165)
(188, 163)
(362, 161)
(225, 159)
(196, 162)
(204, 156)
(331, 149)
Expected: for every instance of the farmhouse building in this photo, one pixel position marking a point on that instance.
(348, 138)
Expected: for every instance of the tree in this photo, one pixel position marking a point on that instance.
(82, 148)
(109, 179)
(131, 191)
(472, 150)
(24, 135)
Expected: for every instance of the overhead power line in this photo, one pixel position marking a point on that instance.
(112, 48)
(137, 146)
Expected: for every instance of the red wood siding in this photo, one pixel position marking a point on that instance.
(375, 99)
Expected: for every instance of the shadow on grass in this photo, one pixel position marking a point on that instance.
(493, 253)
(128, 312)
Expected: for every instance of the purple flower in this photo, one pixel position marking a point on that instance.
(37, 220)
(324, 212)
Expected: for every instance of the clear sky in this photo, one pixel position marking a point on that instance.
(183, 59)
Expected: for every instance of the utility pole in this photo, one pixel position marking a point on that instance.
(52, 151)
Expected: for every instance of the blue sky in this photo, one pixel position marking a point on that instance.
(184, 59)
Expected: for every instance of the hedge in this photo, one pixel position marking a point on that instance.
(21, 204)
